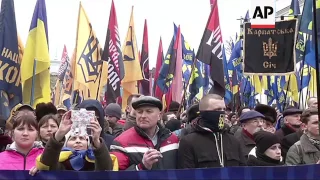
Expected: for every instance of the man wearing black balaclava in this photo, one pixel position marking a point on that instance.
(210, 145)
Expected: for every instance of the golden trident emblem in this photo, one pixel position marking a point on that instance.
(221, 121)
(269, 48)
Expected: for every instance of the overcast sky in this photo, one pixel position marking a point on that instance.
(192, 16)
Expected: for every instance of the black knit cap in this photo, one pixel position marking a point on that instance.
(264, 140)
(174, 106)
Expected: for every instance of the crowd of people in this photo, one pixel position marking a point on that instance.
(145, 137)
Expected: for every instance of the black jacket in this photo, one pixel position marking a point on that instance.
(288, 141)
(4, 141)
(284, 131)
(254, 161)
(198, 149)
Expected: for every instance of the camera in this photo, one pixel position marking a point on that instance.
(80, 120)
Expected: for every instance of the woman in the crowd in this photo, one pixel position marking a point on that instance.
(48, 125)
(307, 150)
(22, 153)
(267, 151)
(69, 150)
(232, 118)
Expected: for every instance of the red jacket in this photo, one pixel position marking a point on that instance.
(130, 146)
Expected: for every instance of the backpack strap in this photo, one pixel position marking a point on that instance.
(299, 148)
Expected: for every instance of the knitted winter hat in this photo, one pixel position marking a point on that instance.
(264, 140)
(71, 134)
(113, 109)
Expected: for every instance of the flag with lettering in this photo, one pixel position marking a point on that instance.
(58, 88)
(63, 63)
(210, 50)
(10, 82)
(35, 73)
(68, 79)
(90, 70)
(113, 55)
(144, 63)
(270, 51)
(131, 63)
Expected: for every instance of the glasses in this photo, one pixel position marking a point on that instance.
(258, 121)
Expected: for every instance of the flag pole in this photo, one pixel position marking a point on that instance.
(315, 35)
(100, 75)
(286, 94)
(33, 82)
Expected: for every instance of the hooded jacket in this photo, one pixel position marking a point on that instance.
(11, 159)
(199, 149)
(94, 104)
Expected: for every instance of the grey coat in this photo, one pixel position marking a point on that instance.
(303, 152)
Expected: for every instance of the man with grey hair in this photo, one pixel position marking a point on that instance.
(210, 144)
(146, 145)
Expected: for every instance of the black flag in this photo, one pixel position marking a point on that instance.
(210, 51)
(270, 51)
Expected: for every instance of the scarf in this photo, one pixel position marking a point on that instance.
(248, 134)
(254, 161)
(314, 141)
(78, 158)
(267, 159)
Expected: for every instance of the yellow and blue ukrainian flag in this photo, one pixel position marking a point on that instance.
(35, 74)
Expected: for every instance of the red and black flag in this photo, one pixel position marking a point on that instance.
(144, 63)
(112, 54)
(158, 93)
(210, 50)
